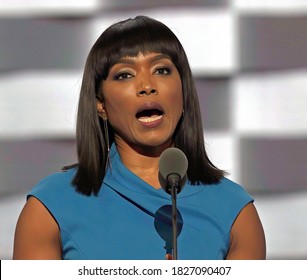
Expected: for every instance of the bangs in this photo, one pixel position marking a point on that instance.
(142, 43)
(134, 36)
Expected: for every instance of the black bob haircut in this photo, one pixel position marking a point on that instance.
(129, 38)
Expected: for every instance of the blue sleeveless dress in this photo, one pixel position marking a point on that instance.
(130, 220)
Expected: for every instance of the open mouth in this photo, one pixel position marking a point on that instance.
(150, 115)
(150, 112)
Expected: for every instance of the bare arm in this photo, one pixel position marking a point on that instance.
(37, 234)
(247, 236)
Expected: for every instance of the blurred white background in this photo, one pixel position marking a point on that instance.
(250, 64)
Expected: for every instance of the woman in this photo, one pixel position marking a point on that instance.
(137, 99)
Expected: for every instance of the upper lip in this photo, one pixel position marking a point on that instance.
(149, 106)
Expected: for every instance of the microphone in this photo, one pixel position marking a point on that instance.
(173, 166)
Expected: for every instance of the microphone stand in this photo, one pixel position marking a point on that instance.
(173, 180)
(173, 166)
(174, 221)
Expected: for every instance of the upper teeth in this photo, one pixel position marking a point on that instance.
(150, 119)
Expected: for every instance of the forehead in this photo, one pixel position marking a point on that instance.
(152, 57)
(141, 57)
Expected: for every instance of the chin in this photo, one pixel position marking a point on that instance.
(157, 143)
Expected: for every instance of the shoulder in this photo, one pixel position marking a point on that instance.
(229, 187)
(56, 191)
(58, 177)
(225, 191)
(232, 196)
(37, 229)
(61, 199)
(247, 236)
(36, 234)
(58, 182)
(224, 200)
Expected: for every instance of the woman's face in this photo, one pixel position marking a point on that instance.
(143, 99)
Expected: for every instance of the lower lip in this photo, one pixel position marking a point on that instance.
(152, 124)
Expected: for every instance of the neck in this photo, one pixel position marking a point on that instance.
(142, 161)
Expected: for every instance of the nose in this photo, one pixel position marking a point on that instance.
(146, 86)
(147, 91)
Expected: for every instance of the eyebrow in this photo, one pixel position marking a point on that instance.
(127, 60)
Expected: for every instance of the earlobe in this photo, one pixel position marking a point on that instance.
(100, 110)
(103, 114)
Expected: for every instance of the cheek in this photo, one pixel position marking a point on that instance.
(117, 100)
(117, 112)
(117, 117)
(176, 97)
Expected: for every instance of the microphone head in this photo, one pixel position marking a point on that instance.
(173, 161)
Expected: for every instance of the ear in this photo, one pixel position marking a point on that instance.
(101, 110)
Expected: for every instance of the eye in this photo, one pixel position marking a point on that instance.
(163, 71)
(122, 76)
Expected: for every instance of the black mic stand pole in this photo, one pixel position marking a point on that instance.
(173, 180)
(174, 221)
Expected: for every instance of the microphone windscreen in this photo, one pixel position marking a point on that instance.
(173, 160)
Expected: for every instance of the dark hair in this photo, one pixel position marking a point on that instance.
(129, 38)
